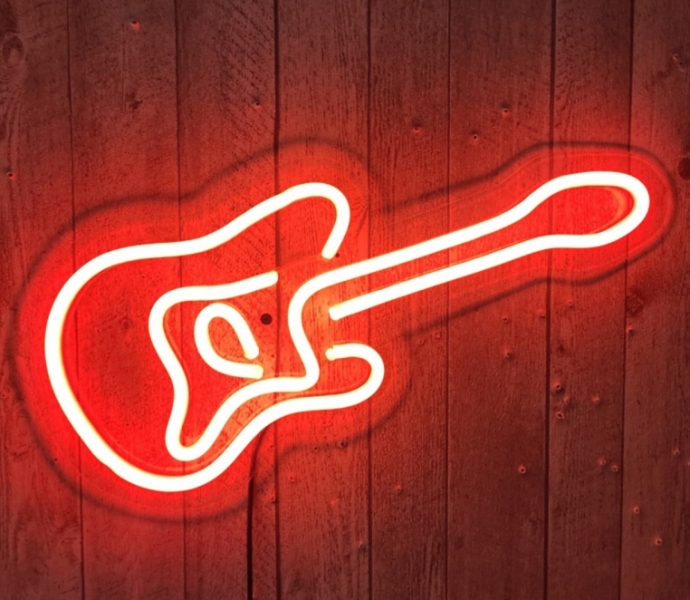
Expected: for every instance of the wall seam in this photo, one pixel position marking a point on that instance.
(448, 225)
(74, 268)
(370, 532)
(276, 172)
(549, 283)
(179, 264)
(625, 310)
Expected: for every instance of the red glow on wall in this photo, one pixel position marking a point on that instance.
(126, 366)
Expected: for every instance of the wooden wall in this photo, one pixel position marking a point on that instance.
(533, 439)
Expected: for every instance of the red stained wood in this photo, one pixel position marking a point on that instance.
(587, 323)
(226, 128)
(500, 92)
(530, 437)
(40, 521)
(655, 550)
(409, 171)
(124, 131)
(322, 458)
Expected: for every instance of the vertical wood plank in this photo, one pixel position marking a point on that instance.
(227, 113)
(655, 554)
(322, 457)
(586, 378)
(124, 121)
(40, 526)
(500, 98)
(409, 159)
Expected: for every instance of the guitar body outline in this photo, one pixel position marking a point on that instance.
(294, 385)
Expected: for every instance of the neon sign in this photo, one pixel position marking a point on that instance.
(260, 385)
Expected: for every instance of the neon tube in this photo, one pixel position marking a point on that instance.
(566, 182)
(244, 334)
(172, 483)
(63, 302)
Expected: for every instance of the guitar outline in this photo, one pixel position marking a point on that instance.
(294, 384)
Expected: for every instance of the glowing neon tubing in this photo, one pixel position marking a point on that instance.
(297, 384)
(58, 314)
(619, 230)
(175, 370)
(244, 334)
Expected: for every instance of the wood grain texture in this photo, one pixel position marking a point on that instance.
(40, 526)
(500, 96)
(322, 457)
(409, 172)
(586, 370)
(122, 65)
(656, 542)
(530, 439)
(226, 84)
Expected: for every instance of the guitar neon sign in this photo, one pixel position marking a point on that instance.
(259, 385)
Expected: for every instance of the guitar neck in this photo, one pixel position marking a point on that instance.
(608, 179)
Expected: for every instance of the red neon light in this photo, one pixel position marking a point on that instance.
(214, 293)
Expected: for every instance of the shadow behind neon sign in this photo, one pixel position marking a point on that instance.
(219, 306)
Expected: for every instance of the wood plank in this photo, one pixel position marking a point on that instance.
(409, 174)
(587, 320)
(122, 62)
(500, 90)
(227, 117)
(655, 553)
(40, 525)
(322, 457)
